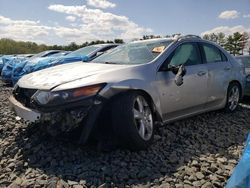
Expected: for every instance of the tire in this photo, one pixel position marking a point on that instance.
(132, 121)
(233, 97)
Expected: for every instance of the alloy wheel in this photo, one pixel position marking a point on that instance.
(234, 97)
(143, 118)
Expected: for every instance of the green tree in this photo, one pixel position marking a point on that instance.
(119, 41)
(221, 39)
(206, 37)
(236, 43)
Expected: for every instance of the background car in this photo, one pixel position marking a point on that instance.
(7, 63)
(19, 68)
(245, 60)
(126, 92)
(13, 62)
(1, 62)
(84, 54)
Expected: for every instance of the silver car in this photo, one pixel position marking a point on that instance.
(131, 89)
(245, 60)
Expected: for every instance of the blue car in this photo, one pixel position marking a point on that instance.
(6, 64)
(3, 59)
(83, 54)
(10, 63)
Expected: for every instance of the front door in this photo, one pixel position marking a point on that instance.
(190, 97)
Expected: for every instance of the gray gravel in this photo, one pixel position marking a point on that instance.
(196, 152)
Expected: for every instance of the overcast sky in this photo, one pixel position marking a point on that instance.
(65, 21)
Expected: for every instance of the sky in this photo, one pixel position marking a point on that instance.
(64, 21)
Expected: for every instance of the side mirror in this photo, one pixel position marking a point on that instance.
(179, 76)
(173, 69)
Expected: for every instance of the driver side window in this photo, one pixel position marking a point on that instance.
(186, 54)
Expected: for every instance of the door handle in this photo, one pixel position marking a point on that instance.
(201, 73)
(227, 68)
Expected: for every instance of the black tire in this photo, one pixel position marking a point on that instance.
(229, 106)
(125, 125)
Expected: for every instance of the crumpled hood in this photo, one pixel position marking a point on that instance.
(52, 77)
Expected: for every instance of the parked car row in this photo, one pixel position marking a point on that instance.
(13, 62)
(15, 67)
(126, 92)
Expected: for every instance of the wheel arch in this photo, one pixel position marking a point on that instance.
(147, 96)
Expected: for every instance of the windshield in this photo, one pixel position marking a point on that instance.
(134, 53)
(41, 54)
(83, 51)
(44, 54)
(58, 54)
(245, 61)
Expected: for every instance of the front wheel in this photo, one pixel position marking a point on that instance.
(132, 120)
(233, 97)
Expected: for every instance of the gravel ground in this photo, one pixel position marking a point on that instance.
(196, 152)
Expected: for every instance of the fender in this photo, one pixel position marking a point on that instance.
(133, 84)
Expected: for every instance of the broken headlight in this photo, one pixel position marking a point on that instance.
(61, 97)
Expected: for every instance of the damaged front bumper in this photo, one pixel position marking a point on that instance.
(23, 112)
(64, 118)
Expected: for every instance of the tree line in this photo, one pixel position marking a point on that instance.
(9, 46)
(236, 44)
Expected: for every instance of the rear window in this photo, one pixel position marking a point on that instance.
(213, 54)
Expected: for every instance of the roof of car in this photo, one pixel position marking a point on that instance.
(104, 45)
(154, 40)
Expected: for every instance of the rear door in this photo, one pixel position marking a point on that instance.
(190, 97)
(219, 73)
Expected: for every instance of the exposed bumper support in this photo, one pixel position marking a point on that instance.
(90, 121)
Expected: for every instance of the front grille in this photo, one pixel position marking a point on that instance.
(24, 95)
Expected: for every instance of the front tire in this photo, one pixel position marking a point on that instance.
(132, 121)
(233, 97)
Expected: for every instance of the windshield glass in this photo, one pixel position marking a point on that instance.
(245, 61)
(58, 54)
(83, 51)
(41, 54)
(44, 54)
(134, 53)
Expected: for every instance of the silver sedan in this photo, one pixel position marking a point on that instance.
(127, 92)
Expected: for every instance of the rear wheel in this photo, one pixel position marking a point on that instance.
(233, 97)
(132, 120)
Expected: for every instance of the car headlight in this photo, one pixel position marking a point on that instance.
(52, 98)
(248, 78)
